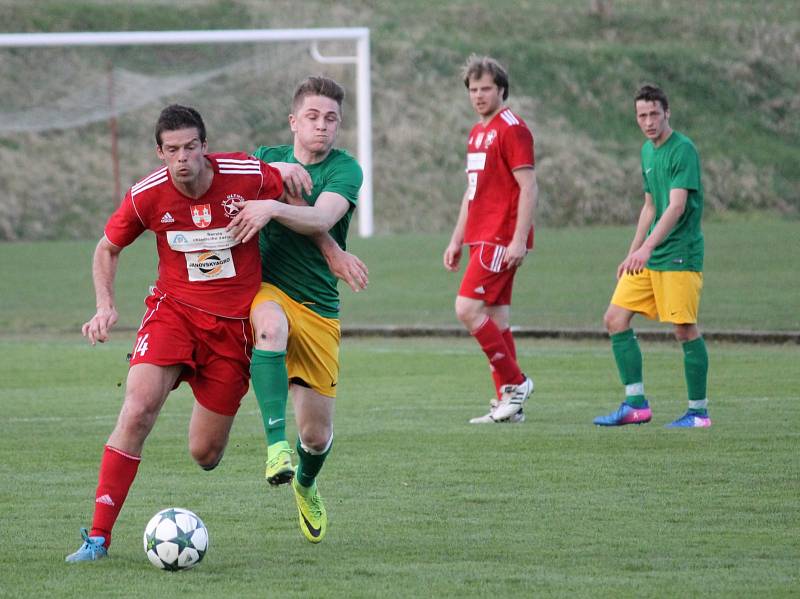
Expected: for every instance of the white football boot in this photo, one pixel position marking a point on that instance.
(487, 418)
(512, 398)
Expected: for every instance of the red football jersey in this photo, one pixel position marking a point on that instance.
(494, 150)
(199, 262)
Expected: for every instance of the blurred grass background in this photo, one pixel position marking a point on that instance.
(565, 283)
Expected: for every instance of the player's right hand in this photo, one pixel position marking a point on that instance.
(99, 327)
(350, 269)
(452, 257)
(296, 179)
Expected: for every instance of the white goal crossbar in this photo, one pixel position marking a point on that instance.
(233, 36)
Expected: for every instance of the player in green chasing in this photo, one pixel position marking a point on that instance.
(295, 315)
(662, 275)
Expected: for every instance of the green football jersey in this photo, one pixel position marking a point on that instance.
(675, 165)
(293, 262)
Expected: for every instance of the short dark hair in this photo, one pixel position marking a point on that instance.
(175, 117)
(318, 86)
(476, 66)
(651, 93)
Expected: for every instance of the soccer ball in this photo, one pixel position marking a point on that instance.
(175, 539)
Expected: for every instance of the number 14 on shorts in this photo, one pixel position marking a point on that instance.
(141, 345)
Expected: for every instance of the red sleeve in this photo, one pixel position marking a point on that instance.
(518, 147)
(125, 225)
(272, 187)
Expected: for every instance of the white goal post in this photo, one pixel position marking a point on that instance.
(360, 35)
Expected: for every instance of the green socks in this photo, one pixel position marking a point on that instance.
(695, 364)
(309, 464)
(629, 363)
(271, 385)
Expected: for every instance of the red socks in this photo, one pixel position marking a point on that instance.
(502, 358)
(117, 471)
(512, 350)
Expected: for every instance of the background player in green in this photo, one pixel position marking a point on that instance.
(662, 273)
(295, 314)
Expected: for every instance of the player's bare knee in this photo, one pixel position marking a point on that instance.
(615, 322)
(270, 333)
(469, 314)
(206, 455)
(136, 419)
(316, 440)
(684, 333)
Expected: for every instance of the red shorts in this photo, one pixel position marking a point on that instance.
(214, 351)
(487, 277)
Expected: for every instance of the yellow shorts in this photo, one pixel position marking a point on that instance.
(312, 350)
(672, 296)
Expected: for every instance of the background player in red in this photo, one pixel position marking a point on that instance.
(196, 325)
(496, 222)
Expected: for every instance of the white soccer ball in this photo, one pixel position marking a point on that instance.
(175, 539)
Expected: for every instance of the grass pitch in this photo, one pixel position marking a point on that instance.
(420, 502)
(565, 283)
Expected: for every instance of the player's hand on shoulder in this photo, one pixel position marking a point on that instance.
(99, 327)
(296, 179)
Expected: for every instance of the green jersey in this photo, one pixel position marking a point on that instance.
(675, 164)
(293, 262)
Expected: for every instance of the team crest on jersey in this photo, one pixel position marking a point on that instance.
(478, 140)
(490, 137)
(227, 204)
(201, 215)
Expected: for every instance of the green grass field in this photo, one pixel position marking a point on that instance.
(751, 280)
(422, 504)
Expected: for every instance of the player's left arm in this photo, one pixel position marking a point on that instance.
(526, 210)
(637, 260)
(344, 265)
(305, 220)
(315, 222)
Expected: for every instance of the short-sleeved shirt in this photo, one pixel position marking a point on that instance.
(199, 263)
(675, 164)
(293, 262)
(494, 151)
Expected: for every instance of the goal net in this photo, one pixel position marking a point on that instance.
(77, 119)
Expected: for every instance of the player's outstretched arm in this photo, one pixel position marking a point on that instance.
(104, 271)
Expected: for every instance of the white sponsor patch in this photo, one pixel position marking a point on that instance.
(205, 239)
(213, 264)
(476, 161)
(472, 185)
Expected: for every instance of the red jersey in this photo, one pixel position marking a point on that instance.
(494, 150)
(199, 262)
